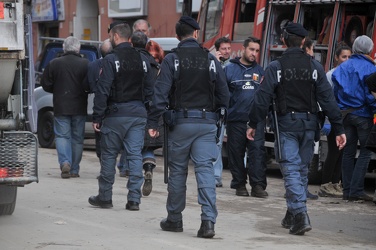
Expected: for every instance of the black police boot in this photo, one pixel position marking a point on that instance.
(171, 226)
(288, 221)
(206, 230)
(301, 224)
(95, 201)
(148, 184)
(132, 206)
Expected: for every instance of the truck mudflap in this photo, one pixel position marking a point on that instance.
(18, 158)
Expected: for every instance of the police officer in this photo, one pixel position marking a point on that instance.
(298, 82)
(192, 85)
(119, 113)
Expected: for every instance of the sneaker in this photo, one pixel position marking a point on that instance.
(65, 170)
(259, 192)
(74, 175)
(148, 183)
(328, 190)
(242, 191)
(338, 188)
(219, 185)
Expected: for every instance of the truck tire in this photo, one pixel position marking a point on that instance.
(314, 175)
(46, 135)
(8, 197)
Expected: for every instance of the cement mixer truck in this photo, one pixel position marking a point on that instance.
(18, 144)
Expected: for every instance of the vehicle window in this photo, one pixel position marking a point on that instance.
(243, 27)
(317, 19)
(213, 18)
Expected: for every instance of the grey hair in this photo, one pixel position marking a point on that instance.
(362, 45)
(139, 21)
(72, 44)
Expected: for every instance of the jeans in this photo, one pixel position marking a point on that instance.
(69, 138)
(218, 165)
(297, 152)
(147, 156)
(237, 145)
(119, 133)
(195, 141)
(357, 128)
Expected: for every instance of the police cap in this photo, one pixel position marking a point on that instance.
(114, 24)
(296, 29)
(189, 21)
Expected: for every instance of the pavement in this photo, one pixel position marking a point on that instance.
(55, 214)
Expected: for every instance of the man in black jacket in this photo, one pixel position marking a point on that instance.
(65, 78)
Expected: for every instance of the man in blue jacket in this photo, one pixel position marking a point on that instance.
(354, 98)
(244, 76)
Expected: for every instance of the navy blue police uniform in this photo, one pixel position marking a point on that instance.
(124, 87)
(192, 85)
(299, 83)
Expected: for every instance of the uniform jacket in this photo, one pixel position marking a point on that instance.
(324, 94)
(242, 82)
(66, 78)
(350, 88)
(165, 81)
(104, 85)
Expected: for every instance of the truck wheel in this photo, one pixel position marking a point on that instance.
(8, 196)
(314, 175)
(46, 135)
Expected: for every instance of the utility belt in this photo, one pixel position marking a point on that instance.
(114, 107)
(171, 116)
(298, 115)
(203, 114)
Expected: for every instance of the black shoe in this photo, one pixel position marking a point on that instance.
(301, 224)
(312, 196)
(132, 206)
(95, 201)
(242, 191)
(259, 192)
(148, 183)
(364, 197)
(219, 185)
(167, 225)
(288, 221)
(206, 230)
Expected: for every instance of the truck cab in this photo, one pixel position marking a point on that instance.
(328, 23)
